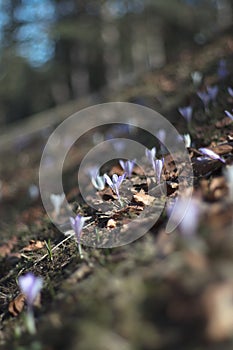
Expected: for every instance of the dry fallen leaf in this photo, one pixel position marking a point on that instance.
(111, 223)
(222, 149)
(107, 194)
(203, 166)
(34, 245)
(7, 248)
(224, 122)
(16, 306)
(138, 170)
(142, 198)
(116, 169)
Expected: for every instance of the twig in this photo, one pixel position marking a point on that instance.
(59, 244)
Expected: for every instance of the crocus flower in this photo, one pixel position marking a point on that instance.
(230, 91)
(229, 177)
(117, 131)
(115, 183)
(211, 154)
(57, 200)
(127, 166)
(196, 77)
(186, 113)
(205, 97)
(161, 135)
(212, 91)
(98, 182)
(77, 224)
(186, 216)
(30, 286)
(158, 169)
(150, 155)
(33, 191)
(187, 140)
(229, 114)
(222, 69)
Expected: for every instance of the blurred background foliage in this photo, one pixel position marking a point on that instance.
(53, 51)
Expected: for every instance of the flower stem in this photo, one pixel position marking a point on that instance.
(80, 250)
(30, 322)
(120, 201)
(97, 235)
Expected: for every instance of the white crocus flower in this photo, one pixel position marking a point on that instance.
(57, 200)
(98, 182)
(187, 140)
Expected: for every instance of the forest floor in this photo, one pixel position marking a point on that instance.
(163, 291)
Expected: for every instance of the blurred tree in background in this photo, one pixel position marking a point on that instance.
(52, 51)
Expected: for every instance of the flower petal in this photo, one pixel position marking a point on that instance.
(229, 115)
(211, 154)
(108, 180)
(30, 285)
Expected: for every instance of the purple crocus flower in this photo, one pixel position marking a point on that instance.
(222, 69)
(30, 286)
(150, 155)
(211, 154)
(98, 182)
(33, 191)
(127, 166)
(205, 97)
(230, 91)
(229, 114)
(77, 224)
(186, 112)
(115, 183)
(212, 91)
(158, 166)
(57, 200)
(117, 131)
(161, 135)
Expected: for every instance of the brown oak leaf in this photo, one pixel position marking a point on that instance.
(143, 198)
(16, 305)
(34, 245)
